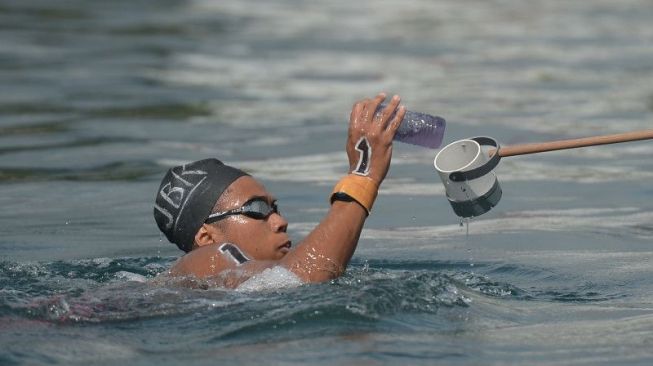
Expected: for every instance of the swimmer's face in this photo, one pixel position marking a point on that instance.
(259, 239)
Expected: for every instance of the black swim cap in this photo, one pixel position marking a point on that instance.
(186, 198)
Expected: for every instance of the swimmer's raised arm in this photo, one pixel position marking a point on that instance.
(326, 251)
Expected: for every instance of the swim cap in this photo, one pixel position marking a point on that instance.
(186, 198)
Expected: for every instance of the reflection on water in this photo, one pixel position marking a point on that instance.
(97, 99)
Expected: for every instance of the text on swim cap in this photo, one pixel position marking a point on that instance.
(177, 190)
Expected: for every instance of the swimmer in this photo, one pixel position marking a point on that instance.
(231, 229)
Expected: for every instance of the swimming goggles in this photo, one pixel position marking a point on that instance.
(256, 208)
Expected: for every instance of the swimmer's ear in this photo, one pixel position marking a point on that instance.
(207, 235)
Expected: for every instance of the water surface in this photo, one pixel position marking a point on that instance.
(98, 99)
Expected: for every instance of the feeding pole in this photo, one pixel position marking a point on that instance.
(539, 147)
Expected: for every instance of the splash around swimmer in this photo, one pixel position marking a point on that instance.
(231, 229)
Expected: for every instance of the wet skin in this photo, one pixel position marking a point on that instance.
(259, 239)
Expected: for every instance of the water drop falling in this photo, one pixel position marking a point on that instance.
(469, 249)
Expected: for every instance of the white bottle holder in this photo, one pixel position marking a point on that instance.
(467, 171)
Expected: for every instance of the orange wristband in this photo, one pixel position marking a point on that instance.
(362, 189)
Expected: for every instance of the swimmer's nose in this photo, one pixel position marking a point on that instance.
(279, 224)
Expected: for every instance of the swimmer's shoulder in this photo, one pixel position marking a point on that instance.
(212, 261)
(201, 262)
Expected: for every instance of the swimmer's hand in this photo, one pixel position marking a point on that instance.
(369, 141)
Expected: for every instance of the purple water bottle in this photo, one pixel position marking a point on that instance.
(420, 129)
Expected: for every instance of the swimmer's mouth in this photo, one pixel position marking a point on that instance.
(285, 247)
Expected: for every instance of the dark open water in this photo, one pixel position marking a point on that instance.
(98, 98)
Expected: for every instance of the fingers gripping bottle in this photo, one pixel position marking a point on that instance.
(420, 129)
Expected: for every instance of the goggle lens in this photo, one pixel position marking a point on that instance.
(259, 209)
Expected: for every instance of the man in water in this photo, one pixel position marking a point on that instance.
(229, 226)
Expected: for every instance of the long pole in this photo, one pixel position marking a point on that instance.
(534, 148)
